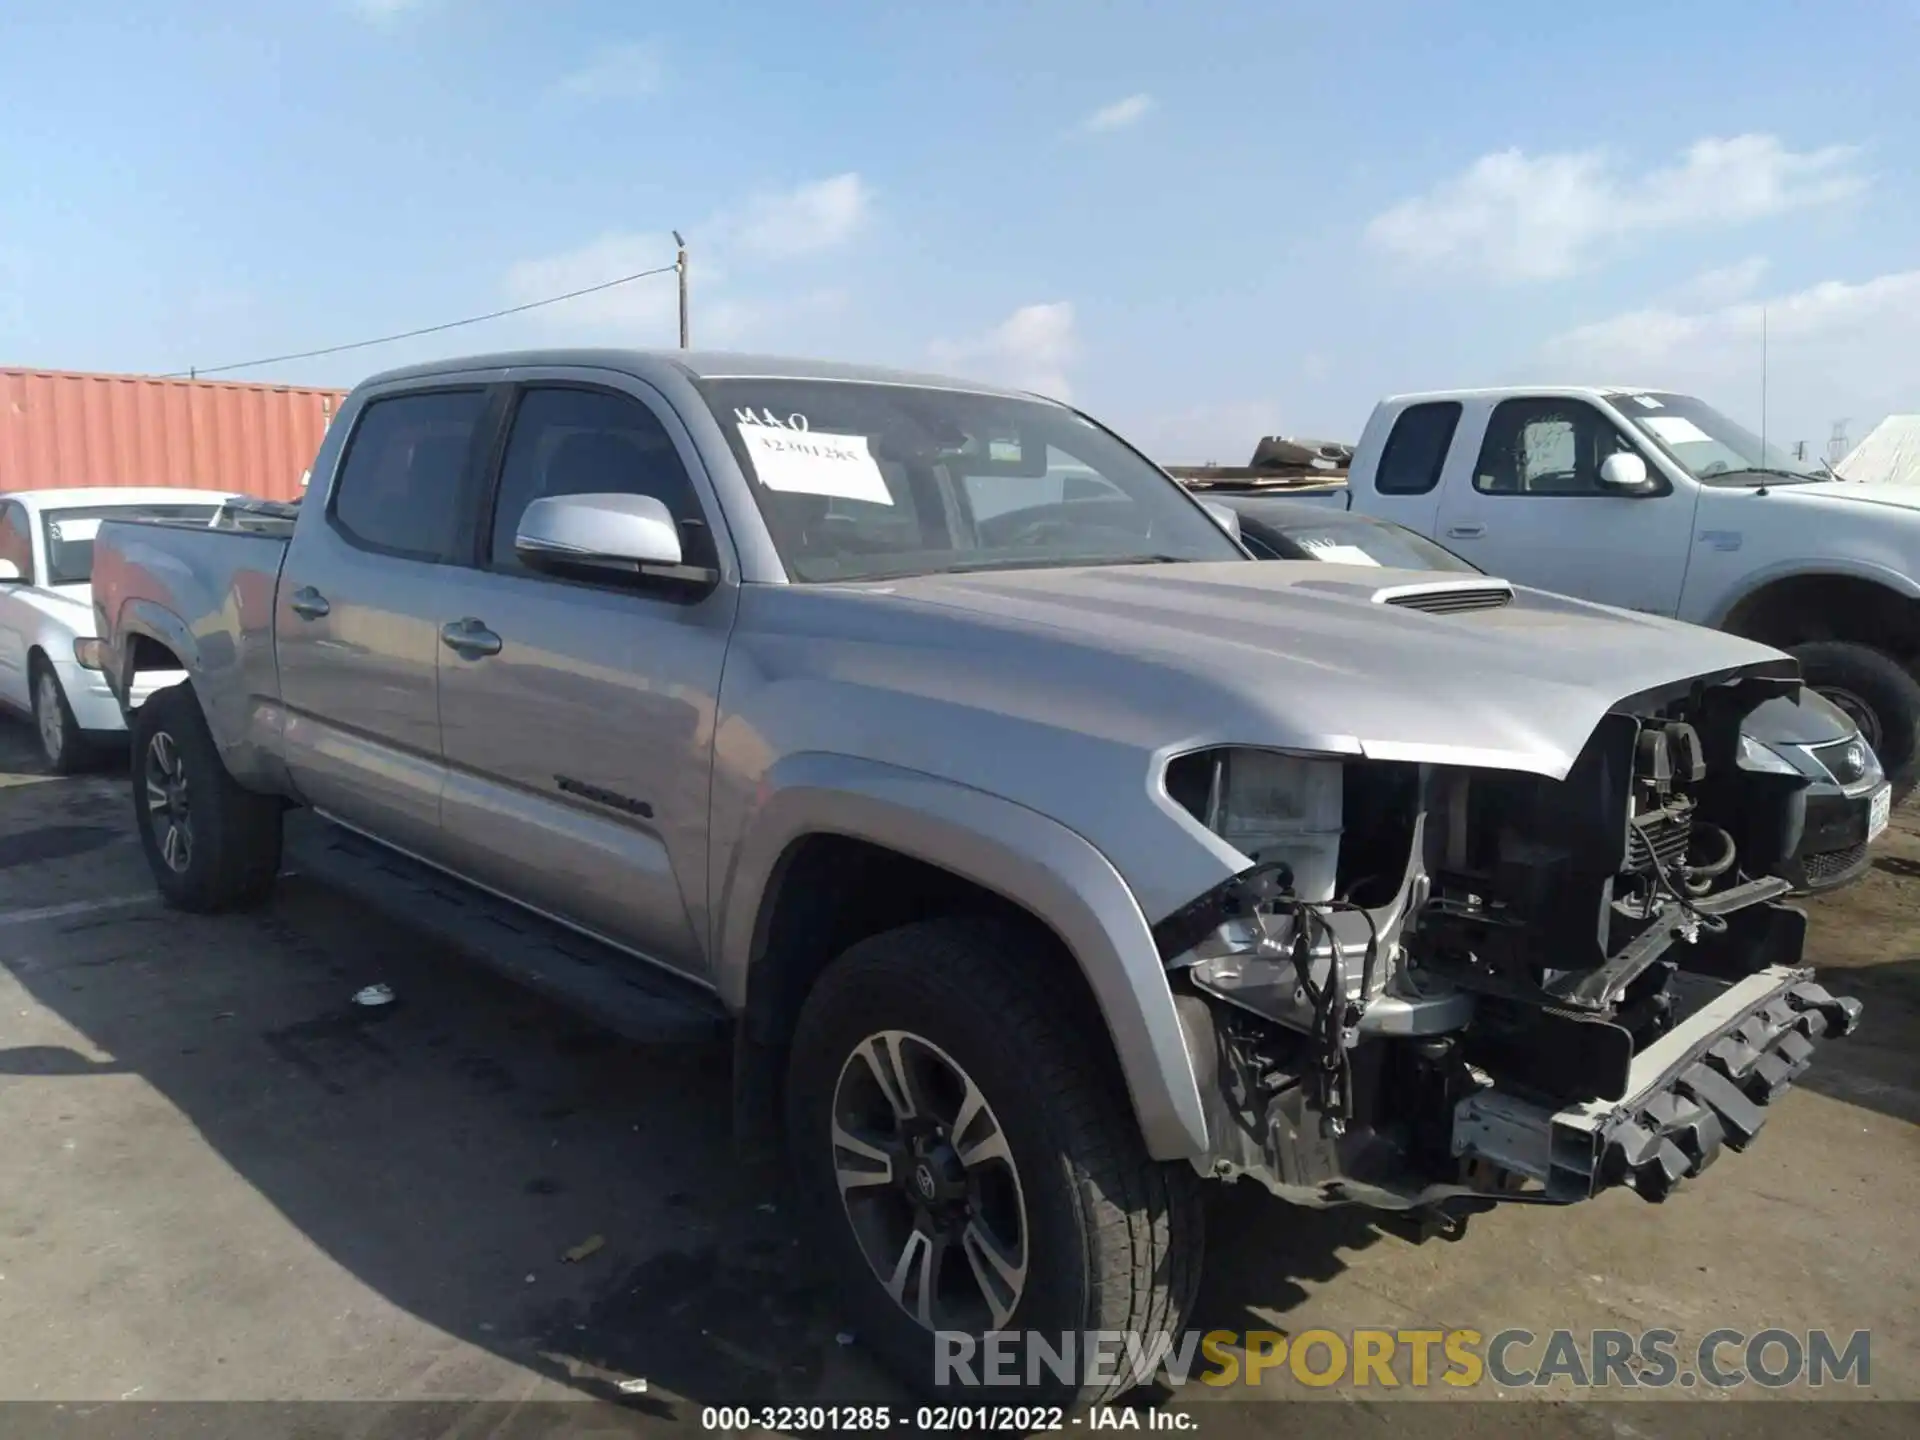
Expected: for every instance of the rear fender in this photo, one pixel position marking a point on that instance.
(1017, 853)
(245, 727)
(142, 619)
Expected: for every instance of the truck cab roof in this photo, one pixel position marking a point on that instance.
(688, 364)
(1514, 392)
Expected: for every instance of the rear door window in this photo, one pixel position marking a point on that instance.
(1416, 448)
(403, 480)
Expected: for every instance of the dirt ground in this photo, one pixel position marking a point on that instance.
(222, 1182)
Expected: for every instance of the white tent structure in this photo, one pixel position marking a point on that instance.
(1890, 455)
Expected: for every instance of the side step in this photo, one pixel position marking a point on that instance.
(626, 995)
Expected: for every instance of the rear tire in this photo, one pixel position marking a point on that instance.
(1878, 694)
(63, 745)
(211, 844)
(1102, 1237)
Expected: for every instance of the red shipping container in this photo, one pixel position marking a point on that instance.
(61, 428)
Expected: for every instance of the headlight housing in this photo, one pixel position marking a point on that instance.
(90, 654)
(1758, 756)
(1270, 807)
(1851, 763)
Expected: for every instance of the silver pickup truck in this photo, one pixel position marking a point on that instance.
(1040, 853)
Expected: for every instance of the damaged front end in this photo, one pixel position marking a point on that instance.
(1439, 982)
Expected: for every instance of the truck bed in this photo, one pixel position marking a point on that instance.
(168, 595)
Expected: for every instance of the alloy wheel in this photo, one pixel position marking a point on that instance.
(49, 718)
(168, 809)
(929, 1184)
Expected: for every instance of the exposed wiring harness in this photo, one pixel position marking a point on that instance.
(1336, 1019)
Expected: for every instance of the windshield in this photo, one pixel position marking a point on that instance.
(871, 481)
(1709, 446)
(1349, 540)
(69, 534)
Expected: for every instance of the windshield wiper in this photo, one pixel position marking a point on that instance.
(1798, 477)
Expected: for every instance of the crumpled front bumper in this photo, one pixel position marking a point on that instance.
(1703, 1086)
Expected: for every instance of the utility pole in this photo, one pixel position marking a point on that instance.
(680, 264)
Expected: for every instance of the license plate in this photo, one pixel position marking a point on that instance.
(1879, 811)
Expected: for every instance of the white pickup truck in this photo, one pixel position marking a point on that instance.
(1657, 502)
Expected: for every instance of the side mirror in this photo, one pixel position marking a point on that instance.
(1624, 472)
(631, 535)
(1225, 516)
(10, 573)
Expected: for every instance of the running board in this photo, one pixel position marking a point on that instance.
(627, 995)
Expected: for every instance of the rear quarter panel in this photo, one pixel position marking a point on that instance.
(207, 597)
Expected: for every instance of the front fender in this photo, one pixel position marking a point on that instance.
(1018, 853)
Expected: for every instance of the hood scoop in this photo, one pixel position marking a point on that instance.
(1453, 597)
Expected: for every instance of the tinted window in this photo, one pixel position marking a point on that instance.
(590, 442)
(1545, 447)
(1352, 540)
(858, 481)
(16, 544)
(400, 483)
(1416, 448)
(70, 533)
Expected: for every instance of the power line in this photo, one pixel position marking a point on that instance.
(423, 330)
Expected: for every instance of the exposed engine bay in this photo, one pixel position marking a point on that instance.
(1436, 986)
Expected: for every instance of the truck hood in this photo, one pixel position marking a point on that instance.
(1306, 655)
(1830, 493)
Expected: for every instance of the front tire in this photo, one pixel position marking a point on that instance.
(62, 743)
(1878, 694)
(211, 844)
(970, 1162)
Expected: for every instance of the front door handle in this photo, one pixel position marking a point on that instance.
(308, 603)
(469, 639)
(1466, 532)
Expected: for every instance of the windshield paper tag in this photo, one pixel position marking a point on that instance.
(1647, 402)
(63, 531)
(813, 462)
(1677, 430)
(1332, 552)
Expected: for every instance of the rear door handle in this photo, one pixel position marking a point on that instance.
(1466, 532)
(308, 603)
(469, 638)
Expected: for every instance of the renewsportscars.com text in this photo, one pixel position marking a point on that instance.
(1387, 1359)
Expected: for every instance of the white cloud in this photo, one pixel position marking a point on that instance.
(1031, 349)
(1838, 348)
(759, 237)
(1517, 217)
(805, 220)
(1722, 285)
(731, 322)
(385, 9)
(616, 72)
(643, 313)
(1119, 115)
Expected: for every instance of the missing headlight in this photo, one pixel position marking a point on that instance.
(1271, 807)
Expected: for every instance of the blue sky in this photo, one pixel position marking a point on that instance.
(1204, 220)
